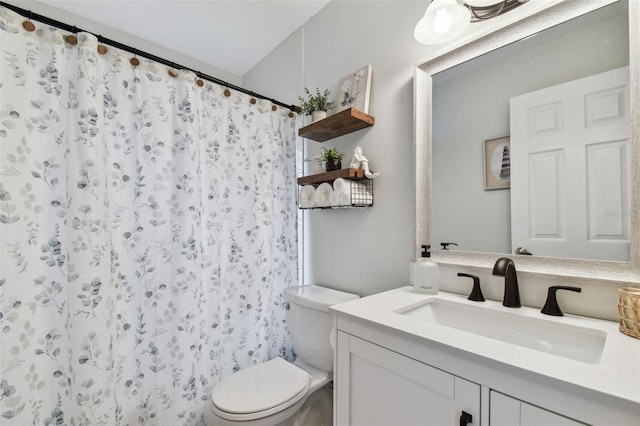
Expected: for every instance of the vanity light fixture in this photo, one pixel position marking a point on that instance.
(444, 20)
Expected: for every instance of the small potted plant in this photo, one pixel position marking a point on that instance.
(316, 105)
(333, 159)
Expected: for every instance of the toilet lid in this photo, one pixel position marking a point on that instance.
(260, 390)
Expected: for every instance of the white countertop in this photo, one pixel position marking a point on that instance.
(616, 374)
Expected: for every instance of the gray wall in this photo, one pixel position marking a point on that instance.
(363, 251)
(359, 250)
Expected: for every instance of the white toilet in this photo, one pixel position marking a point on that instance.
(280, 393)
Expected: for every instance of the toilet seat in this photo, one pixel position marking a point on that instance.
(260, 391)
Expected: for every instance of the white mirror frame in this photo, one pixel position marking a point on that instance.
(554, 268)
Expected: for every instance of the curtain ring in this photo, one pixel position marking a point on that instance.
(227, 92)
(102, 49)
(173, 72)
(28, 25)
(199, 81)
(290, 114)
(71, 38)
(253, 101)
(273, 107)
(134, 61)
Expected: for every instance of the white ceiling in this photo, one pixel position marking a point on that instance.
(232, 35)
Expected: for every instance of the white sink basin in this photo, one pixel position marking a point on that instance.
(570, 341)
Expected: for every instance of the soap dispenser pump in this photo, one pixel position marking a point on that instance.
(425, 273)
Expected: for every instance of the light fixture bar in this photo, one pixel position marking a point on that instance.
(444, 20)
(482, 13)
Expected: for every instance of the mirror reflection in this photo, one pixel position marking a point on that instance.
(530, 144)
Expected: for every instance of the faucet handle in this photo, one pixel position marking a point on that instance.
(476, 293)
(551, 305)
(445, 246)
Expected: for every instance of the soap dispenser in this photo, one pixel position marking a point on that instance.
(425, 273)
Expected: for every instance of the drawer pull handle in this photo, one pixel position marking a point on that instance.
(465, 418)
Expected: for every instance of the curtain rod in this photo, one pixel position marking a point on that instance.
(73, 29)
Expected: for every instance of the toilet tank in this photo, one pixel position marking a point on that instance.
(310, 322)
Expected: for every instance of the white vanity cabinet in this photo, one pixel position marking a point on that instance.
(376, 386)
(507, 411)
(379, 387)
(394, 369)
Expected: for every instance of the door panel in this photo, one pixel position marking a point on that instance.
(385, 388)
(570, 169)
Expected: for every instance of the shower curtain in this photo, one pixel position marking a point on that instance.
(147, 230)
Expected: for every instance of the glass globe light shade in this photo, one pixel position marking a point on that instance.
(443, 21)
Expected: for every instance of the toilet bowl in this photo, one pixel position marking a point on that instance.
(280, 393)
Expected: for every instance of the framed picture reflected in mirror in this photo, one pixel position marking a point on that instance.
(497, 163)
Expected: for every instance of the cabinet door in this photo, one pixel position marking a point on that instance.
(507, 411)
(376, 386)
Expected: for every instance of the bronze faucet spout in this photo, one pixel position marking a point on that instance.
(504, 267)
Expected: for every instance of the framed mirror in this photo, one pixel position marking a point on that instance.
(456, 145)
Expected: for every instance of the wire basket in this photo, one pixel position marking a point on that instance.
(362, 193)
(629, 311)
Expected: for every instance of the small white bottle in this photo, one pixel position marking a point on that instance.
(425, 273)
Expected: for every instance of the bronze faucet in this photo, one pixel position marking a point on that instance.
(504, 267)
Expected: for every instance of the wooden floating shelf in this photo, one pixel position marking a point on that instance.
(353, 174)
(341, 123)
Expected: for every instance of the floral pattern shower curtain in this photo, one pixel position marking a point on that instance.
(147, 230)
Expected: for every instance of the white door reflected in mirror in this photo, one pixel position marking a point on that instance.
(570, 158)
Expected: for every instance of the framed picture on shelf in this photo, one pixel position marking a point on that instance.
(354, 90)
(497, 163)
